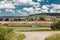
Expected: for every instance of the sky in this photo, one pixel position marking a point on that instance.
(28, 7)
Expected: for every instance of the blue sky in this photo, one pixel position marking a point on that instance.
(27, 7)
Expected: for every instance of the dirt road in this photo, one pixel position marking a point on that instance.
(38, 35)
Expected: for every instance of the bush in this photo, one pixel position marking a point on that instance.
(55, 25)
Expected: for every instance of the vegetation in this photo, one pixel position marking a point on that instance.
(9, 34)
(27, 25)
(41, 18)
(42, 24)
(6, 33)
(54, 37)
(21, 37)
(32, 29)
(19, 25)
(55, 25)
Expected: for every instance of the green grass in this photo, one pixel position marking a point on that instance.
(42, 24)
(19, 25)
(10, 34)
(21, 37)
(26, 25)
(32, 29)
(6, 33)
(54, 37)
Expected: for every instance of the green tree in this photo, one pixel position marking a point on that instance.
(41, 18)
(55, 25)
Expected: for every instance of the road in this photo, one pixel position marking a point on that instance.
(38, 35)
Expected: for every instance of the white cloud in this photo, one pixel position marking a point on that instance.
(28, 9)
(53, 11)
(23, 13)
(55, 8)
(37, 4)
(58, 11)
(31, 10)
(22, 2)
(31, 3)
(45, 7)
(4, 4)
(40, 0)
(10, 10)
(44, 11)
(19, 11)
(38, 10)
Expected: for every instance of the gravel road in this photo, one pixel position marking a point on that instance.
(38, 35)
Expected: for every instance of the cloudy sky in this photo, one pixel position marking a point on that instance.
(27, 7)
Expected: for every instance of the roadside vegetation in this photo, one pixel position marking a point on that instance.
(26, 24)
(6, 33)
(23, 27)
(21, 37)
(53, 37)
(29, 29)
(55, 25)
(10, 34)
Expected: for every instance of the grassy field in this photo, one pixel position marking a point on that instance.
(54, 37)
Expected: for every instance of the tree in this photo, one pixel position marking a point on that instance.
(55, 25)
(6, 19)
(1, 19)
(31, 19)
(41, 18)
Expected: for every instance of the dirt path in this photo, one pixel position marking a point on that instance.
(38, 35)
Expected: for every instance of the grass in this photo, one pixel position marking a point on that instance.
(42, 24)
(10, 34)
(54, 37)
(21, 37)
(26, 24)
(32, 29)
(18, 25)
(6, 33)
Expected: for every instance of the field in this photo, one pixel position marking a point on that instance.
(28, 26)
(24, 30)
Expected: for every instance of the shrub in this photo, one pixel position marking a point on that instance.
(55, 25)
